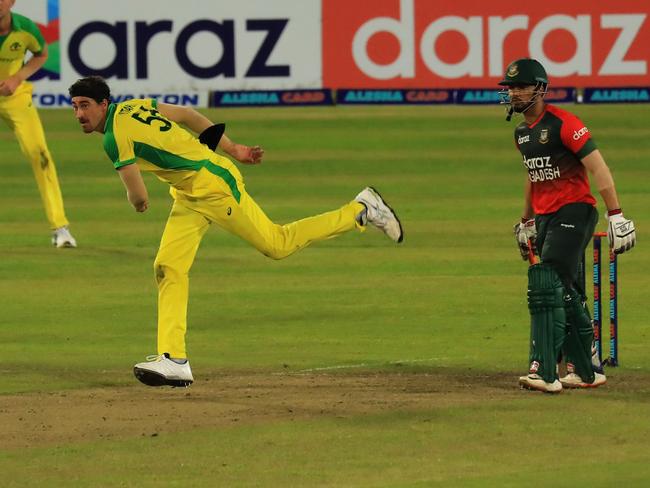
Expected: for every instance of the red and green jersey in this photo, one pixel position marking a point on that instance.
(24, 36)
(552, 148)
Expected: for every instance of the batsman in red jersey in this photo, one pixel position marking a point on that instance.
(558, 220)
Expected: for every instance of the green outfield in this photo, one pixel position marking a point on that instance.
(356, 362)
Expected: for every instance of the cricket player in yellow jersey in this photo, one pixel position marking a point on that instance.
(18, 34)
(143, 135)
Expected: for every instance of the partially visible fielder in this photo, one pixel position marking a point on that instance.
(18, 34)
(207, 188)
(559, 218)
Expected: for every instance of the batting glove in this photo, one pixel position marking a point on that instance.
(620, 232)
(525, 233)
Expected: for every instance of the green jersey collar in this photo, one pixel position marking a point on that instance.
(110, 113)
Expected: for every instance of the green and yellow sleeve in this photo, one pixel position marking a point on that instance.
(34, 41)
(118, 145)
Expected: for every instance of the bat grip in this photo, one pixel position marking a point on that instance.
(532, 259)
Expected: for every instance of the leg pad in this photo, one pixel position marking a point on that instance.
(548, 318)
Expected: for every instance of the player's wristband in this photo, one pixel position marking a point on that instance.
(616, 211)
(212, 135)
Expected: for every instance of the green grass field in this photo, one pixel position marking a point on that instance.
(355, 362)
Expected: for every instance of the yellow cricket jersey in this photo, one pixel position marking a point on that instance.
(136, 133)
(24, 36)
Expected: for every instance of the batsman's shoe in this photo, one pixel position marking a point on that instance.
(161, 371)
(533, 381)
(61, 237)
(380, 214)
(572, 380)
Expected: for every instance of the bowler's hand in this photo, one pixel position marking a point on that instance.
(141, 207)
(247, 154)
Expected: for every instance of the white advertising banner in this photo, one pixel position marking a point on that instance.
(177, 51)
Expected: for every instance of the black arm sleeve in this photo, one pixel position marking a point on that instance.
(212, 135)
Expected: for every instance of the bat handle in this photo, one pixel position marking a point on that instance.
(532, 259)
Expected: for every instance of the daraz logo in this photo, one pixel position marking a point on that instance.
(579, 133)
(51, 33)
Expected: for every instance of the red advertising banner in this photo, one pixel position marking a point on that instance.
(468, 43)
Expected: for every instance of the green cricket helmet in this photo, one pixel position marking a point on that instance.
(524, 71)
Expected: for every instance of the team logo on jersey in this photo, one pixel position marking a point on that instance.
(126, 109)
(15, 46)
(543, 136)
(513, 71)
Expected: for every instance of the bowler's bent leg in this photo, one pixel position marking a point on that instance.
(248, 221)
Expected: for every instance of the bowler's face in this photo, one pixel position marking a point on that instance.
(90, 114)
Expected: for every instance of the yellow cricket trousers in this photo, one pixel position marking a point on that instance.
(188, 221)
(21, 116)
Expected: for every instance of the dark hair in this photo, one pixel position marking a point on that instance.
(94, 87)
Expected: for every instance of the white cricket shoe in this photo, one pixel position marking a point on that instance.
(533, 381)
(573, 380)
(380, 214)
(61, 237)
(160, 371)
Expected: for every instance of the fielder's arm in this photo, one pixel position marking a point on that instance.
(9, 85)
(136, 191)
(596, 165)
(210, 134)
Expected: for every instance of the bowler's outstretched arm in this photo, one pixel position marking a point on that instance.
(199, 124)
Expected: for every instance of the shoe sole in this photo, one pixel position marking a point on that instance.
(150, 378)
(527, 386)
(582, 385)
(64, 244)
(401, 231)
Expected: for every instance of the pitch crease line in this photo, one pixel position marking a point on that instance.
(362, 365)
